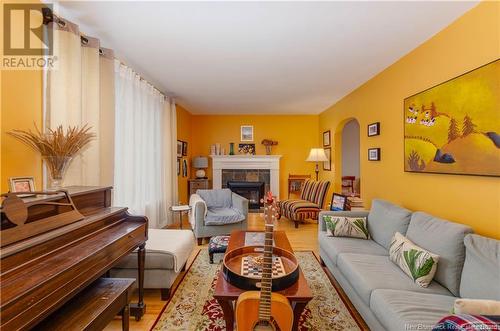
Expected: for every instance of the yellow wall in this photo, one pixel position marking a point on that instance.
(184, 122)
(471, 41)
(295, 134)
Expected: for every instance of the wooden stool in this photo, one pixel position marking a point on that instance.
(94, 307)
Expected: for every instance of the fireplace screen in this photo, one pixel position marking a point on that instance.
(253, 191)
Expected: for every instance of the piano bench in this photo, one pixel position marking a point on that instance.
(94, 307)
(167, 251)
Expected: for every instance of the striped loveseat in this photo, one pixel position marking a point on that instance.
(308, 206)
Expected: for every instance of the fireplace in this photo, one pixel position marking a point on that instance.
(253, 191)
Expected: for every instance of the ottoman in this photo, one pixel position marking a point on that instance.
(166, 254)
(217, 244)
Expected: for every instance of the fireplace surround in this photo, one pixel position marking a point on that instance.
(248, 162)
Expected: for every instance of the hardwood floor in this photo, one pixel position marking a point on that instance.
(303, 238)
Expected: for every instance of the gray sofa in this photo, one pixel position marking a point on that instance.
(387, 299)
(217, 212)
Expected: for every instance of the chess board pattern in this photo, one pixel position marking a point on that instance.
(254, 272)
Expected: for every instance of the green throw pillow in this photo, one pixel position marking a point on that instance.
(415, 261)
(341, 226)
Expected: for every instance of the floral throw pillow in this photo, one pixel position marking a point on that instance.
(340, 226)
(415, 261)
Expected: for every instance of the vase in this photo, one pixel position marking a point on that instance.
(57, 166)
(231, 148)
(269, 149)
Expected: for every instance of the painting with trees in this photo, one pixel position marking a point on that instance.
(454, 127)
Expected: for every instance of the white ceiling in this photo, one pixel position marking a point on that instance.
(261, 57)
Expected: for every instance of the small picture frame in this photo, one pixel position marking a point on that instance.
(178, 166)
(246, 133)
(184, 148)
(374, 129)
(179, 148)
(327, 138)
(327, 165)
(21, 185)
(373, 154)
(184, 168)
(339, 202)
(246, 149)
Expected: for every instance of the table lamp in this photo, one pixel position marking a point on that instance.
(200, 163)
(317, 155)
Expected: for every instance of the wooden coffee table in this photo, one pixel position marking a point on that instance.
(226, 294)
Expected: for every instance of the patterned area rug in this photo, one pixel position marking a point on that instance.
(192, 307)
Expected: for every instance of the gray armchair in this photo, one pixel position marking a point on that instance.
(217, 212)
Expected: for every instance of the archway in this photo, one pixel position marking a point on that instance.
(347, 156)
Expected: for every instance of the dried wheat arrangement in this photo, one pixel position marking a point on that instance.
(58, 146)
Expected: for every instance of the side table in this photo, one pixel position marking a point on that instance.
(180, 209)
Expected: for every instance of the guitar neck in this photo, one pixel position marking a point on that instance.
(267, 265)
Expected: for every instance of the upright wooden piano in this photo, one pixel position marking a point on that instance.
(55, 245)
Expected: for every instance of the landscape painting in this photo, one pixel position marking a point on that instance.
(454, 127)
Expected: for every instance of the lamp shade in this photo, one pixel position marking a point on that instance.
(317, 155)
(200, 162)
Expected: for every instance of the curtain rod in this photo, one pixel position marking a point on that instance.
(50, 17)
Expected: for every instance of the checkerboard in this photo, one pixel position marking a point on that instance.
(255, 272)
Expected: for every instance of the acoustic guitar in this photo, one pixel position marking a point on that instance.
(264, 310)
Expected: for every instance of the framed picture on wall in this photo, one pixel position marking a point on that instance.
(374, 154)
(327, 165)
(373, 129)
(179, 148)
(326, 138)
(184, 148)
(247, 133)
(184, 168)
(178, 166)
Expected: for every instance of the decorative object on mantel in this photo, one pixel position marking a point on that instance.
(373, 154)
(200, 163)
(269, 143)
(22, 185)
(326, 138)
(317, 155)
(246, 133)
(374, 129)
(231, 148)
(57, 147)
(247, 149)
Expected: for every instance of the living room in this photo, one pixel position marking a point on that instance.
(155, 154)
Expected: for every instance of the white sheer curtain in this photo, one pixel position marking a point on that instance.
(144, 119)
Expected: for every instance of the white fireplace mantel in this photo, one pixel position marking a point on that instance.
(270, 162)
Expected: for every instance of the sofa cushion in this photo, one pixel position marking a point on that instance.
(353, 227)
(445, 239)
(223, 216)
(415, 261)
(385, 219)
(366, 273)
(405, 310)
(217, 198)
(165, 249)
(481, 273)
(335, 246)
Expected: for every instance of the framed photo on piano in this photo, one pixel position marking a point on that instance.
(22, 184)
